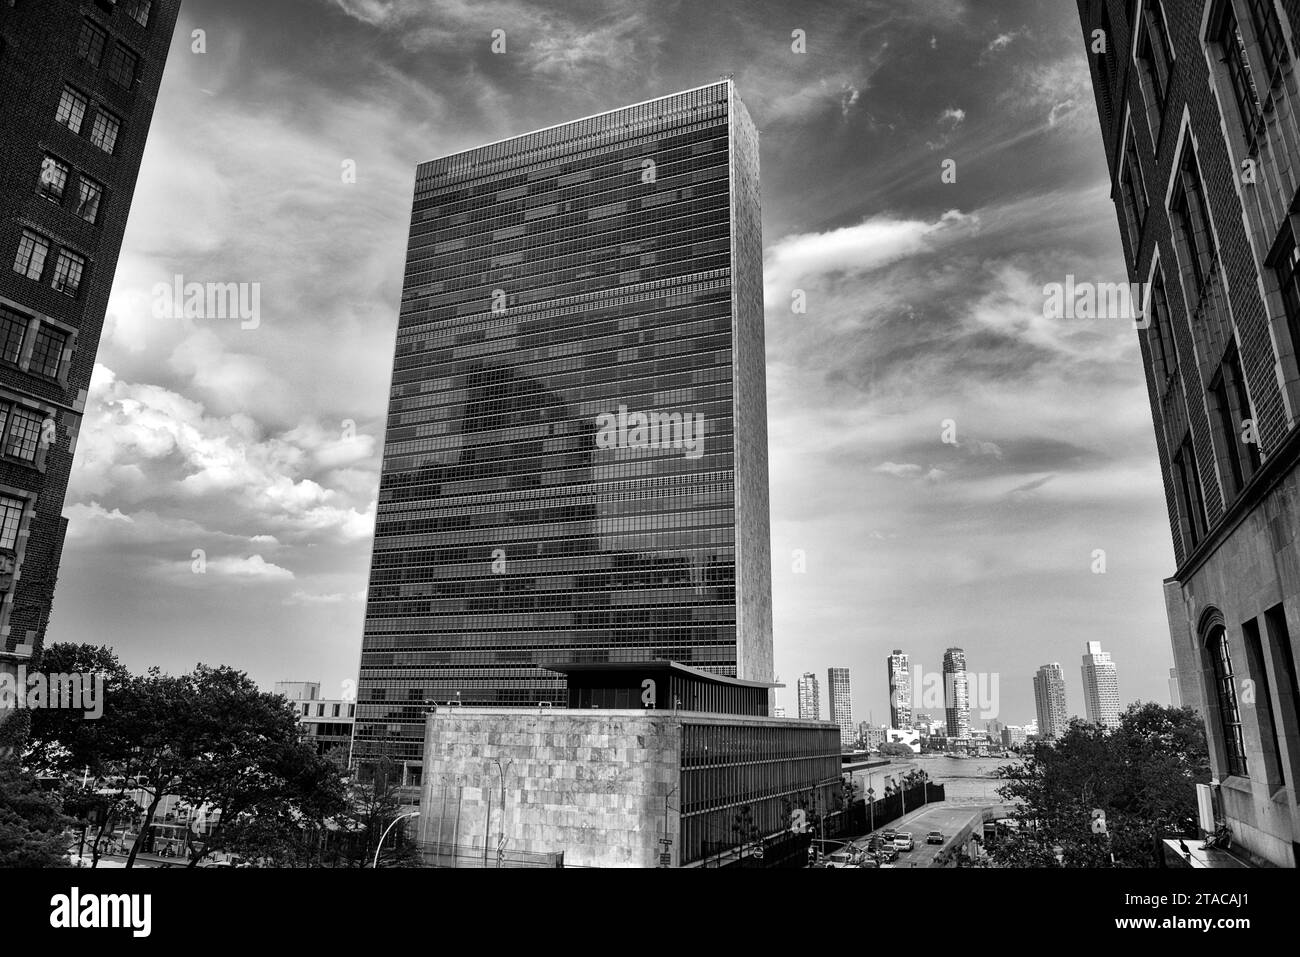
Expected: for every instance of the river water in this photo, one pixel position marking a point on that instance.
(964, 779)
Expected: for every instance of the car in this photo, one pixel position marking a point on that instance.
(841, 859)
(904, 842)
(888, 834)
(935, 837)
(869, 862)
(887, 853)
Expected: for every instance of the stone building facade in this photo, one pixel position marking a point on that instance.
(1199, 106)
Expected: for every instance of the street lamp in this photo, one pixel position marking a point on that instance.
(385, 834)
(501, 834)
(871, 804)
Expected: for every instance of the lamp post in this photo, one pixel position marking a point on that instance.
(501, 833)
(385, 834)
(871, 806)
(666, 842)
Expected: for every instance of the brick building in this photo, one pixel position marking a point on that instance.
(1200, 115)
(78, 82)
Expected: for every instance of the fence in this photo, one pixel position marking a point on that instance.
(435, 854)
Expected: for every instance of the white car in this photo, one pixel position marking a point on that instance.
(904, 842)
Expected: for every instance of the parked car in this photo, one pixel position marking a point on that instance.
(841, 859)
(904, 842)
(935, 837)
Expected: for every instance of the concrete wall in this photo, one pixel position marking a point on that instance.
(590, 784)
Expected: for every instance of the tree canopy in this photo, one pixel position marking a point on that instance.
(1141, 776)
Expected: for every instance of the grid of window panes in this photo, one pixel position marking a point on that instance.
(47, 351)
(103, 131)
(32, 250)
(89, 196)
(13, 328)
(551, 279)
(71, 110)
(53, 179)
(23, 433)
(11, 516)
(67, 272)
(768, 769)
(90, 44)
(1226, 691)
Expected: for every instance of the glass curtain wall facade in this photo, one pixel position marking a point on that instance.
(768, 771)
(579, 349)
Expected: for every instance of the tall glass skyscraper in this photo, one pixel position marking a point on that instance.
(575, 462)
(956, 693)
(810, 697)
(841, 703)
(1049, 700)
(900, 689)
(1100, 687)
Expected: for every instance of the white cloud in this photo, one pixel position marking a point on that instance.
(142, 442)
(332, 598)
(900, 470)
(252, 567)
(856, 251)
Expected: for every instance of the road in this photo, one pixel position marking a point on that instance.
(950, 819)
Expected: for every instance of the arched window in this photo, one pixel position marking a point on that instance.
(1226, 695)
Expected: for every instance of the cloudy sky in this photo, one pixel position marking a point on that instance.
(261, 446)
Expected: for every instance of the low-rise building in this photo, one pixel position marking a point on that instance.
(623, 777)
(325, 723)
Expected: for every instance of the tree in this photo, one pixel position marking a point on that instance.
(895, 749)
(209, 737)
(66, 740)
(1141, 776)
(99, 808)
(372, 806)
(33, 829)
(251, 764)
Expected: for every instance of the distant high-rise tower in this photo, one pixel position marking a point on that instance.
(78, 84)
(810, 697)
(1049, 699)
(1100, 687)
(956, 693)
(575, 461)
(1175, 695)
(900, 690)
(841, 703)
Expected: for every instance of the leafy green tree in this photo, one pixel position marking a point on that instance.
(33, 830)
(895, 749)
(1141, 776)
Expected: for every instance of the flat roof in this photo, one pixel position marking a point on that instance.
(729, 81)
(660, 664)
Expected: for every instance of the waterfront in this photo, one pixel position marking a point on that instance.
(964, 779)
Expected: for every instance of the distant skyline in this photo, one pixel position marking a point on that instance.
(260, 446)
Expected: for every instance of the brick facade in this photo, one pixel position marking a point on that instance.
(42, 43)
